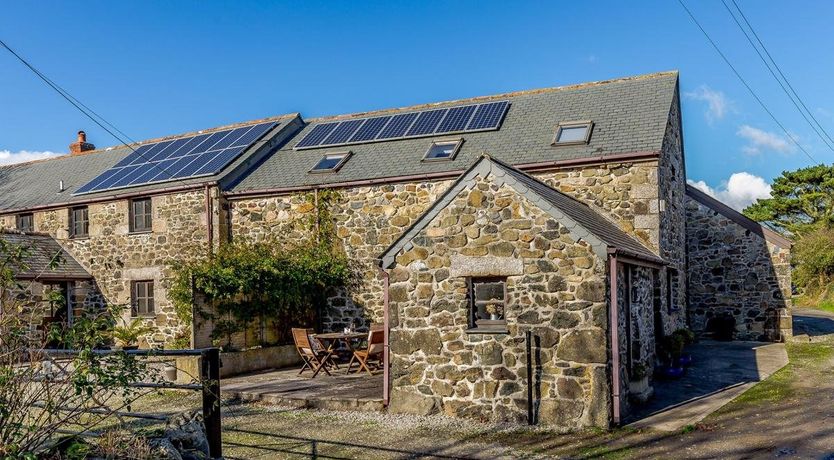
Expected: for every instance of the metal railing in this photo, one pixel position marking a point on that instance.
(209, 386)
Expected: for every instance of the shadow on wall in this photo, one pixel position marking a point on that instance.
(739, 274)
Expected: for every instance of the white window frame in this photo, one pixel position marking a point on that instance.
(344, 155)
(457, 142)
(573, 124)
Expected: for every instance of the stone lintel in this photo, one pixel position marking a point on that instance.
(485, 266)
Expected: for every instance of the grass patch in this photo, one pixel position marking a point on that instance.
(822, 301)
(804, 358)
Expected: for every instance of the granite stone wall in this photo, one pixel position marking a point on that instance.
(555, 288)
(115, 257)
(369, 219)
(735, 273)
(637, 340)
(672, 230)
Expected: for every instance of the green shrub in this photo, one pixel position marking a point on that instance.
(813, 259)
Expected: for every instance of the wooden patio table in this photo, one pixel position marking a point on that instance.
(329, 339)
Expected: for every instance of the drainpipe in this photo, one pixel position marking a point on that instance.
(386, 368)
(614, 325)
(209, 220)
(318, 214)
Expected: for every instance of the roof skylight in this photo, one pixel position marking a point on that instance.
(574, 132)
(443, 150)
(331, 162)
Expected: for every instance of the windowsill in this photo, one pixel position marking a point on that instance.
(79, 237)
(152, 316)
(140, 232)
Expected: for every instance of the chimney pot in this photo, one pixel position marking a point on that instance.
(81, 145)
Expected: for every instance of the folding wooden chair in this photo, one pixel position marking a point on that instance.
(376, 345)
(315, 357)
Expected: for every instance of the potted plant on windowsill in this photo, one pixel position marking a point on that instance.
(128, 335)
(494, 311)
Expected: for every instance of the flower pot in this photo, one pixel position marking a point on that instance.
(494, 317)
(170, 373)
(672, 372)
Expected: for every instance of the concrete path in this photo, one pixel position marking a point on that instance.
(722, 371)
(355, 391)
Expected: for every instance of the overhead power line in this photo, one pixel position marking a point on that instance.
(746, 85)
(778, 69)
(791, 94)
(89, 113)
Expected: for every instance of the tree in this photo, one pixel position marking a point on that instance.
(801, 201)
(41, 394)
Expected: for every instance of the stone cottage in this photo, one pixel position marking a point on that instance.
(560, 212)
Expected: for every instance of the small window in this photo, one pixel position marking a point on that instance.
(79, 225)
(487, 303)
(141, 215)
(142, 302)
(26, 222)
(671, 288)
(331, 162)
(576, 132)
(443, 150)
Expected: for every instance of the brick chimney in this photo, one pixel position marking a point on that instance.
(81, 145)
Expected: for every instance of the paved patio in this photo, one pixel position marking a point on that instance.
(355, 391)
(721, 371)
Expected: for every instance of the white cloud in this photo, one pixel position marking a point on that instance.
(8, 157)
(758, 140)
(739, 191)
(591, 59)
(717, 103)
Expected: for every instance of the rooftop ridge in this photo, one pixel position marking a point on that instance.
(158, 139)
(476, 99)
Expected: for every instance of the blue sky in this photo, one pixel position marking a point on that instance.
(159, 68)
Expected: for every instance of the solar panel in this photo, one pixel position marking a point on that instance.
(456, 119)
(488, 115)
(459, 119)
(370, 129)
(317, 134)
(427, 122)
(398, 126)
(343, 132)
(193, 156)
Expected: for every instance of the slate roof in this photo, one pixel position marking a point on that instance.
(42, 250)
(584, 223)
(629, 115)
(745, 222)
(36, 183)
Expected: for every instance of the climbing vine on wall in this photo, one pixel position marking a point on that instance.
(279, 280)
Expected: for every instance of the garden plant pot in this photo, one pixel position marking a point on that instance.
(672, 372)
(170, 373)
(494, 317)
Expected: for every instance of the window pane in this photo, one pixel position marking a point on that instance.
(489, 291)
(441, 150)
(328, 162)
(572, 133)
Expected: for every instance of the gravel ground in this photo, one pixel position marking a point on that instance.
(790, 415)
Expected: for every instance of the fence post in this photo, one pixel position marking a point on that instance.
(211, 400)
(529, 339)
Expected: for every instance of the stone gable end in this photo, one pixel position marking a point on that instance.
(555, 288)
